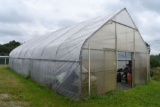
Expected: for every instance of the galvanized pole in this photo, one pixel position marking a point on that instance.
(133, 73)
(116, 46)
(89, 72)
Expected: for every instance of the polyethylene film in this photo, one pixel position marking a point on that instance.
(60, 59)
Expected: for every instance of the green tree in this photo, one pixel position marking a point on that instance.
(5, 49)
(155, 61)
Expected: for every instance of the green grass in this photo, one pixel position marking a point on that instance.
(26, 93)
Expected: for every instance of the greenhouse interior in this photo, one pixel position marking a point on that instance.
(91, 58)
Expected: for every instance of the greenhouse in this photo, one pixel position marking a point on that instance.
(92, 57)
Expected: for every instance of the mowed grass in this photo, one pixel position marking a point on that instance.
(16, 90)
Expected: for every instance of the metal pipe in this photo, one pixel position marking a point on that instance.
(89, 72)
(116, 46)
(133, 73)
(125, 25)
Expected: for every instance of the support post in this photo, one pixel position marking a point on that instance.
(5, 62)
(148, 71)
(116, 45)
(116, 52)
(89, 72)
(134, 70)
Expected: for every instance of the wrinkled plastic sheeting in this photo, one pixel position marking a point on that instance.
(55, 58)
(63, 77)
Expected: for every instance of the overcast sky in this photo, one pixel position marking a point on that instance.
(22, 20)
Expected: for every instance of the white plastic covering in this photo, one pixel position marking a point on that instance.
(55, 59)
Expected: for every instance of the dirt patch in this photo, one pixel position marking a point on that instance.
(4, 96)
(10, 103)
(13, 104)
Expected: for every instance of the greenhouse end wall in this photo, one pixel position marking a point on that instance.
(101, 51)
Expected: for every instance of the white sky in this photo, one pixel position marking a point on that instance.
(22, 20)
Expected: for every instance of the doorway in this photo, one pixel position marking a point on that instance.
(124, 70)
(110, 70)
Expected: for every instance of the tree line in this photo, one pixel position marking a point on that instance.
(155, 61)
(6, 48)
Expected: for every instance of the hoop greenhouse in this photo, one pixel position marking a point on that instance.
(89, 58)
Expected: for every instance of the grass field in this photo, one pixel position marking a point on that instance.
(18, 91)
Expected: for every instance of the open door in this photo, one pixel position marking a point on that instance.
(125, 70)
